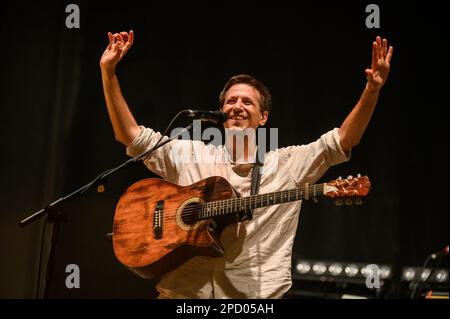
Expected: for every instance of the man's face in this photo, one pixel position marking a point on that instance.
(242, 105)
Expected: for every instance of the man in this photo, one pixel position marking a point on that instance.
(257, 260)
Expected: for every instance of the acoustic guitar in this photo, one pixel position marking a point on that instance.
(160, 225)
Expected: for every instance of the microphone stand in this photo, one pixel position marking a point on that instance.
(54, 210)
(420, 282)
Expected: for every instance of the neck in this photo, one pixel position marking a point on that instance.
(241, 145)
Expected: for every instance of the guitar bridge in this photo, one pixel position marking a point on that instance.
(158, 220)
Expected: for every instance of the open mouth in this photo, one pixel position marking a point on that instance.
(238, 118)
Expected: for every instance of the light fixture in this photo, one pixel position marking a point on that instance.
(335, 269)
(303, 267)
(385, 272)
(441, 276)
(408, 274)
(425, 274)
(351, 270)
(319, 268)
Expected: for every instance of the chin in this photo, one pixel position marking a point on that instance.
(239, 126)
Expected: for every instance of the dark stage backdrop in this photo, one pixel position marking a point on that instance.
(57, 136)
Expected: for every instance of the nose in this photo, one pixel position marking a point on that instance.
(238, 105)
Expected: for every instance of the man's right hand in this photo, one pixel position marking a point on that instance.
(119, 44)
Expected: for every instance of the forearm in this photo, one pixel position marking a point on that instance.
(124, 125)
(353, 127)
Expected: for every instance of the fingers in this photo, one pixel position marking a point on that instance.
(384, 49)
(374, 55)
(379, 47)
(124, 36)
(128, 44)
(111, 40)
(369, 74)
(131, 37)
(120, 42)
(389, 54)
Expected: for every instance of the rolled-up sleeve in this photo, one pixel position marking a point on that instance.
(160, 161)
(307, 163)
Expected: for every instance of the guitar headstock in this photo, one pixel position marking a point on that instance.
(348, 187)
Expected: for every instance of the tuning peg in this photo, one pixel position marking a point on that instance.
(348, 201)
(339, 178)
(339, 202)
(358, 201)
(349, 177)
(359, 175)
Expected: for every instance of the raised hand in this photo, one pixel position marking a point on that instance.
(119, 44)
(381, 58)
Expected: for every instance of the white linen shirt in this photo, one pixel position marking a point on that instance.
(257, 260)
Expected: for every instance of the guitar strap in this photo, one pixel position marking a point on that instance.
(256, 180)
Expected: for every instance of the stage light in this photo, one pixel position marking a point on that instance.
(351, 270)
(366, 271)
(385, 272)
(441, 276)
(408, 274)
(319, 268)
(335, 269)
(303, 267)
(425, 274)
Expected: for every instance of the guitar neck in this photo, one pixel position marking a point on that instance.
(233, 205)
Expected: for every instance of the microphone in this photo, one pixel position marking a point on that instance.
(440, 253)
(211, 116)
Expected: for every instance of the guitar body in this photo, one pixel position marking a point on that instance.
(159, 225)
(153, 233)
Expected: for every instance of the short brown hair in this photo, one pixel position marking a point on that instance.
(266, 99)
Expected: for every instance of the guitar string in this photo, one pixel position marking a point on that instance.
(222, 204)
(228, 205)
(228, 202)
(196, 211)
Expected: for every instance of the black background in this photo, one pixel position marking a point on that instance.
(57, 136)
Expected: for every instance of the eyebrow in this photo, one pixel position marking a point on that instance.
(238, 96)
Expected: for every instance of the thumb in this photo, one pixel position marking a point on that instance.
(369, 74)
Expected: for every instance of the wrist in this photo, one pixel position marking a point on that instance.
(372, 90)
(107, 71)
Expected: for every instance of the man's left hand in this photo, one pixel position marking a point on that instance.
(381, 58)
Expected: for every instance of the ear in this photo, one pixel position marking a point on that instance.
(264, 118)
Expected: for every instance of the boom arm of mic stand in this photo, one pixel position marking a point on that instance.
(98, 180)
(54, 210)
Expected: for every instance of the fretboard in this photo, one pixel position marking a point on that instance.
(238, 204)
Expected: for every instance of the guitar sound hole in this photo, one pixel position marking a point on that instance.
(190, 214)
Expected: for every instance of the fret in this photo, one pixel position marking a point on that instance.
(231, 205)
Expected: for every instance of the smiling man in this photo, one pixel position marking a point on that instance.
(257, 252)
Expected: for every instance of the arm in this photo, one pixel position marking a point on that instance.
(355, 124)
(123, 122)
